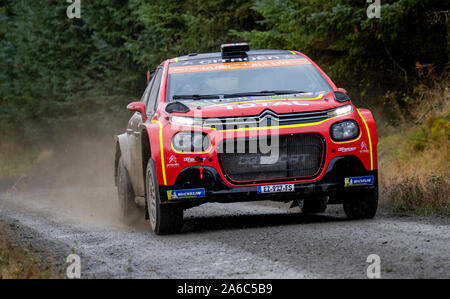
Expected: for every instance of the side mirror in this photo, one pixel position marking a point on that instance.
(342, 90)
(139, 107)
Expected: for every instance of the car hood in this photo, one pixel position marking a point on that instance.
(255, 105)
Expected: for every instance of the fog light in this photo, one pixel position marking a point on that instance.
(190, 142)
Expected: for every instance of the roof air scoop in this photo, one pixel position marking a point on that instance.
(237, 50)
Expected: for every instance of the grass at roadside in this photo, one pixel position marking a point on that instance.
(19, 262)
(414, 159)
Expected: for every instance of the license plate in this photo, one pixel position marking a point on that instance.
(276, 188)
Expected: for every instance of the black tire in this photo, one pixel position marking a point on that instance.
(361, 204)
(314, 205)
(164, 219)
(128, 207)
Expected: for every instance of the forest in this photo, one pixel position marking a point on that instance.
(57, 72)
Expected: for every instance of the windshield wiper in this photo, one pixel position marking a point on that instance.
(235, 95)
(262, 93)
(195, 96)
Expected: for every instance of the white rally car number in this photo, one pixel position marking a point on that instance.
(276, 188)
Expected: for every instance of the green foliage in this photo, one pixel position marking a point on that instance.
(60, 73)
(418, 139)
(435, 133)
(172, 28)
(439, 128)
(59, 69)
(341, 36)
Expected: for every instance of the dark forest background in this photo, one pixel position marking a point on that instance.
(58, 73)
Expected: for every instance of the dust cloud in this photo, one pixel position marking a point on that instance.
(72, 179)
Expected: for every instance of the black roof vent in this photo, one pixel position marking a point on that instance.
(237, 50)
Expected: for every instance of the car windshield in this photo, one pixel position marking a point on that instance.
(244, 82)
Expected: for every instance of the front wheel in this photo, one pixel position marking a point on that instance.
(164, 219)
(361, 204)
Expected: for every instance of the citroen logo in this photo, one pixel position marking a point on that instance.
(269, 117)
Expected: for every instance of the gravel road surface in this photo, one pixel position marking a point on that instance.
(244, 240)
(68, 203)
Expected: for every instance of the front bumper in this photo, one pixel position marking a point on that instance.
(216, 190)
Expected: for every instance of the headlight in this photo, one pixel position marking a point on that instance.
(340, 111)
(344, 130)
(185, 121)
(190, 142)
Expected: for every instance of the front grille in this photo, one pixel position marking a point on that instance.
(266, 118)
(300, 156)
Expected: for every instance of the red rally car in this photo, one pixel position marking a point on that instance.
(245, 125)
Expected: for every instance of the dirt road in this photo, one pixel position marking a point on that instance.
(68, 204)
(246, 240)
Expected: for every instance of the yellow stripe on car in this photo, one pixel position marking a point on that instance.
(348, 141)
(191, 153)
(276, 127)
(162, 150)
(370, 139)
(266, 128)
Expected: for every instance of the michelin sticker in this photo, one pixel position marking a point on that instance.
(186, 193)
(359, 181)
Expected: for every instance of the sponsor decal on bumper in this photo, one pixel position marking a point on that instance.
(358, 181)
(186, 193)
(346, 149)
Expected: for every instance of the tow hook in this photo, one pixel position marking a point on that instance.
(200, 160)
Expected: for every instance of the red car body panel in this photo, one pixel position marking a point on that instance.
(169, 162)
(167, 176)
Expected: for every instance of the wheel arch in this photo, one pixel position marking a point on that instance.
(368, 117)
(146, 153)
(120, 150)
(369, 123)
(146, 150)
